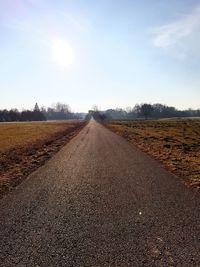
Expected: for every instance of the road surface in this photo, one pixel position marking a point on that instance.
(100, 202)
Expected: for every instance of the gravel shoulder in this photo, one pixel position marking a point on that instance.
(27, 146)
(175, 143)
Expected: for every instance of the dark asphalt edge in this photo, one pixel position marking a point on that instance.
(180, 179)
(71, 136)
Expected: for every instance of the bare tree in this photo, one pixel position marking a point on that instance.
(146, 110)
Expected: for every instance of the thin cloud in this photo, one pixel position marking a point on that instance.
(180, 36)
(78, 22)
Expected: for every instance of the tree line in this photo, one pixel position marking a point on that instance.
(142, 111)
(61, 111)
(57, 112)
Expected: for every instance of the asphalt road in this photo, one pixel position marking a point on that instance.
(100, 202)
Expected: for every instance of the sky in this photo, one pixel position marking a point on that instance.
(109, 53)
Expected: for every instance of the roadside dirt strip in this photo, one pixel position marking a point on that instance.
(18, 162)
(100, 202)
(175, 143)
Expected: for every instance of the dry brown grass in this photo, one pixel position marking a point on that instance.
(176, 143)
(26, 146)
(13, 135)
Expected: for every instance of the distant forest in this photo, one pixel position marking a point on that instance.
(57, 112)
(63, 112)
(142, 111)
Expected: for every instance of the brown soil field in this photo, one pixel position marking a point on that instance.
(26, 146)
(176, 143)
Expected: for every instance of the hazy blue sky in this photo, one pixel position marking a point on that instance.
(112, 53)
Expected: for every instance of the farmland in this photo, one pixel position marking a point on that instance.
(25, 146)
(176, 143)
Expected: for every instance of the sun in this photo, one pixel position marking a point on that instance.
(62, 53)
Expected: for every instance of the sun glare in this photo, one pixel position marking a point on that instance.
(62, 53)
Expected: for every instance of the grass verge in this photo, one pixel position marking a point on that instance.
(176, 143)
(26, 146)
